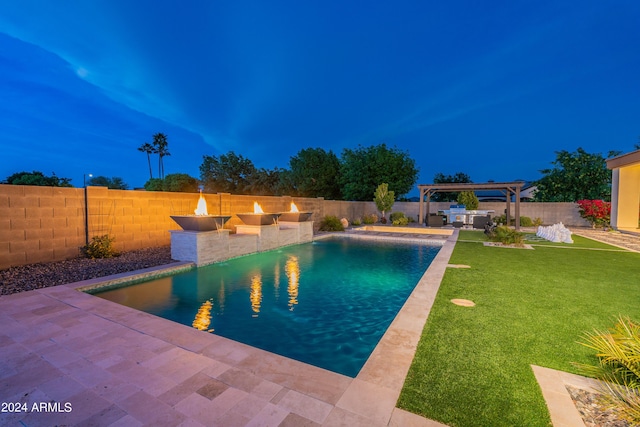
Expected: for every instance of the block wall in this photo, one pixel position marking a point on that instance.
(43, 224)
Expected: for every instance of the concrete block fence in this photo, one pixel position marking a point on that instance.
(43, 224)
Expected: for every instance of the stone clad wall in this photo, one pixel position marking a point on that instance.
(42, 224)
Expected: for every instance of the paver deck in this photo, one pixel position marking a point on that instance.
(82, 360)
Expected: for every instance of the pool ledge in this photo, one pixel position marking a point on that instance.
(117, 364)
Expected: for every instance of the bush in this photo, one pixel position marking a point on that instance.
(396, 215)
(356, 222)
(402, 221)
(100, 247)
(537, 222)
(525, 221)
(507, 236)
(618, 351)
(597, 212)
(331, 223)
(370, 219)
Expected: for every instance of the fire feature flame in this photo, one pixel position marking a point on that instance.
(294, 208)
(202, 206)
(256, 208)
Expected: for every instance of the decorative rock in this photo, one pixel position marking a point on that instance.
(556, 233)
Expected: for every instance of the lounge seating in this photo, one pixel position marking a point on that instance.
(479, 222)
(435, 220)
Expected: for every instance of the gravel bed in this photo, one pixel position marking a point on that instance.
(35, 276)
(593, 413)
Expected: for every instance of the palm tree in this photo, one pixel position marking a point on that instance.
(160, 144)
(148, 148)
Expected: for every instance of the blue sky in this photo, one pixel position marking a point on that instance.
(491, 89)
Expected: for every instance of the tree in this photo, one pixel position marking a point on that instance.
(149, 150)
(575, 176)
(363, 168)
(180, 182)
(383, 198)
(440, 178)
(266, 182)
(38, 178)
(316, 173)
(154, 184)
(115, 183)
(160, 145)
(469, 200)
(229, 173)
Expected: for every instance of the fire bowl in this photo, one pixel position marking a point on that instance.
(201, 222)
(259, 218)
(295, 216)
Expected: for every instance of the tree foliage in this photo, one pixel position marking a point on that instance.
(315, 172)
(115, 183)
(469, 199)
(227, 173)
(575, 176)
(383, 198)
(38, 178)
(174, 182)
(160, 145)
(363, 168)
(148, 149)
(457, 178)
(180, 182)
(267, 182)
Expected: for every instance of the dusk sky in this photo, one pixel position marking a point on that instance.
(491, 89)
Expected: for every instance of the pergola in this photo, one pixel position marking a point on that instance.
(506, 188)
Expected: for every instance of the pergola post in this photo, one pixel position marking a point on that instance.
(517, 208)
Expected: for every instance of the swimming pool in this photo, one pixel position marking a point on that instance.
(326, 303)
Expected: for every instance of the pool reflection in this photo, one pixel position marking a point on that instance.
(292, 268)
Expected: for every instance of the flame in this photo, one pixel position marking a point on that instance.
(294, 208)
(256, 208)
(202, 206)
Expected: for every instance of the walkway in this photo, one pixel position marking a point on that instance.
(75, 359)
(629, 241)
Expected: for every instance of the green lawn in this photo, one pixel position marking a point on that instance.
(472, 366)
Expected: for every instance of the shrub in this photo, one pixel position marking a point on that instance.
(396, 215)
(525, 221)
(370, 219)
(356, 222)
(618, 352)
(402, 221)
(597, 212)
(100, 247)
(537, 222)
(507, 236)
(331, 223)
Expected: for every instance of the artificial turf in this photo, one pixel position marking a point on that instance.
(472, 366)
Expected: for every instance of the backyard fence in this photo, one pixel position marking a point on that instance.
(42, 224)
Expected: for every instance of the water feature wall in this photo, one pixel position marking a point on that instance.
(207, 247)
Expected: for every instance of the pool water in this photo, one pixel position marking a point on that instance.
(326, 303)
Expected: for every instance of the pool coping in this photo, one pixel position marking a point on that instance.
(285, 388)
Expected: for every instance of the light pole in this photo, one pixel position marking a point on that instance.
(86, 208)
